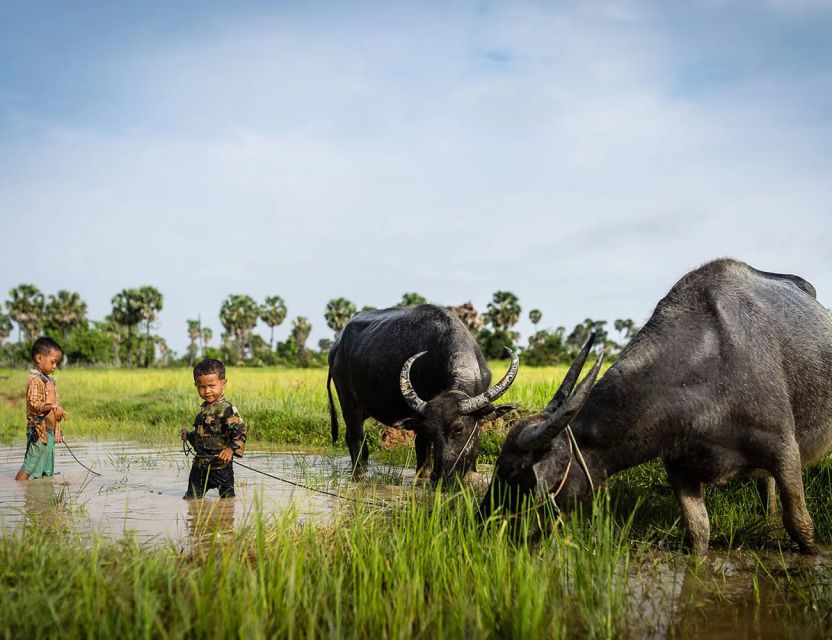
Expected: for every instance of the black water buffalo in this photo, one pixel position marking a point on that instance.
(731, 376)
(421, 369)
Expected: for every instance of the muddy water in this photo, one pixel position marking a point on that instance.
(670, 595)
(730, 595)
(140, 491)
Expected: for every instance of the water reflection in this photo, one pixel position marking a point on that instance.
(726, 596)
(209, 518)
(44, 502)
(140, 491)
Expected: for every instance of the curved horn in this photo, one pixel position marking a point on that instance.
(571, 377)
(411, 397)
(475, 404)
(540, 435)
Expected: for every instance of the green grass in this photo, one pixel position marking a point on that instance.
(421, 568)
(283, 407)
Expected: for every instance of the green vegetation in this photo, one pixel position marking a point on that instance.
(125, 337)
(420, 570)
(418, 567)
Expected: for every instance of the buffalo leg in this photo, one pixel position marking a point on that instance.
(796, 518)
(423, 457)
(768, 496)
(690, 495)
(356, 442)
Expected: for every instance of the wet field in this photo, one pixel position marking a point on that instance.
(725, 594)
(139, 492)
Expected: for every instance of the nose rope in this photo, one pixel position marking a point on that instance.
(467, 442)
(573, 441)
(574, 452)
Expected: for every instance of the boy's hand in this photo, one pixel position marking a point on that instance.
(60, 414)
(183, 433)
(226, 454)
(59, 437)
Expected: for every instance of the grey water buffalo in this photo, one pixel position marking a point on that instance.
(730, 377)
(417, 368)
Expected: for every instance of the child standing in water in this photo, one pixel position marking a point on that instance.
(219, 434)
(43, 412)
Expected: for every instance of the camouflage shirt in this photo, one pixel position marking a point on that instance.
(217, 426)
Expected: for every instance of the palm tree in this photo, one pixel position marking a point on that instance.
(116, 331)
(503, 310)
(66, 311)
(412, 299)
(126, 314)
(273, 313)
(5, 327)
(149, 303)
(301, 328)
(535, 315)
(26, 309)
(194, 332)
(164, 350)
(207, 334)
(239, 314)
(338, 313)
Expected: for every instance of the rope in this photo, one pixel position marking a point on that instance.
(78, 461)
(574, 442)
(461, 451)
(574, 452)
(186, 449)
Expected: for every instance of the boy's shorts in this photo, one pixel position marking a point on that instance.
(201, 479)
(40, 456)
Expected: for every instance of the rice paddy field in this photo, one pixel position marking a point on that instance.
(394, 559)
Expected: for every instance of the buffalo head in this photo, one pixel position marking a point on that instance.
(537, 463)
(451, 420)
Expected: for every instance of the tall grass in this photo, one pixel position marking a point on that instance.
(420, 570)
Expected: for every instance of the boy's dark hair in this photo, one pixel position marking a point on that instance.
(209, 366)
(44, 345)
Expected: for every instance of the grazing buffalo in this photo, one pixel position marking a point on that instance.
(731, 376)
(418, 368)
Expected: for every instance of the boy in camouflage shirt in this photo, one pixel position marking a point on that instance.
(219, 434)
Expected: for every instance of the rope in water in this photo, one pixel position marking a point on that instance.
(78, 461)
(188, 451)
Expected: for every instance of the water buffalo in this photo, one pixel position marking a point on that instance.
(731, 376)
(418, 368)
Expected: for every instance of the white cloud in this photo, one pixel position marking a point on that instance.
(542, 150)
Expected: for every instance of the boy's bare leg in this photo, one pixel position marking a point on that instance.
(21, 475)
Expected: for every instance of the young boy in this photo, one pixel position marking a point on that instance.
(43, 413)
(219, 433)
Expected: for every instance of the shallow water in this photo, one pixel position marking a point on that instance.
(140, 490)
(736, 594)
(727, 595)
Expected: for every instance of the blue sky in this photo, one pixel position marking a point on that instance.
(582, 154)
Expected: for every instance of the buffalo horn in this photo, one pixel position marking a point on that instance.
(409, 393)
(470, 405)
(571, 377)
(541, 434)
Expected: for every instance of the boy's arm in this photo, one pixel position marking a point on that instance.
(235, 431)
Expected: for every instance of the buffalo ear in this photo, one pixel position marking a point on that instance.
(490, 412)
(411, 424)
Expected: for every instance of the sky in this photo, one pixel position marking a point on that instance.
(584, 155)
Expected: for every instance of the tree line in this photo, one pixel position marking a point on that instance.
(126, 338)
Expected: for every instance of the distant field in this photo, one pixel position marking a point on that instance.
(282, 407)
